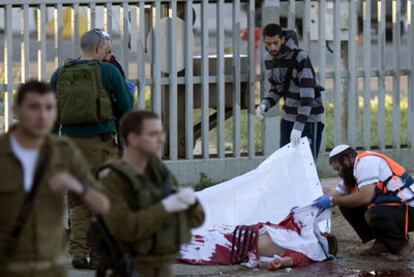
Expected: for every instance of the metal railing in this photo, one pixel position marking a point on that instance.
(210, 74)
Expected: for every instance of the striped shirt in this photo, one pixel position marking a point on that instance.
(302, 102)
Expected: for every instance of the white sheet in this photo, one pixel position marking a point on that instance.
(286, 179)
(308, 241)
(299, 232)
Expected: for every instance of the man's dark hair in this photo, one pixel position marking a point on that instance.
(272, 30)
(32, 86)
(134, 122)
(347, 153)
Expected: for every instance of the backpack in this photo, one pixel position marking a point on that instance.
(81, 96)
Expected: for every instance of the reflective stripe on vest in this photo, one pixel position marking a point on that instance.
(396, 169)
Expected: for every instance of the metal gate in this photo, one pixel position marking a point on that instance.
(193, 67)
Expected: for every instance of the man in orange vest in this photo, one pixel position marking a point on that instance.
(376, 197)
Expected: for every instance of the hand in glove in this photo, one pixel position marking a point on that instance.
(295, 136)
(131, 87)
(173, 204)
(187, 196)
(323, 202)
(261, 111)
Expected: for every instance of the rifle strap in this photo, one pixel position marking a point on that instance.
(27, 205)
(166, 188)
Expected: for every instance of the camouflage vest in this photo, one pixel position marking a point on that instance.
(173, 232)
(81, 96)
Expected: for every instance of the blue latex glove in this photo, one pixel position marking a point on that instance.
(324, 202)
(131, 87)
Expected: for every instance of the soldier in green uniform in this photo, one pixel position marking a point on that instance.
(91, 95)
(150, 215)
(32, 160)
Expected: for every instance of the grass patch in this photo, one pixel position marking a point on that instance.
(204, 182)
(329, 130)
(329, 125)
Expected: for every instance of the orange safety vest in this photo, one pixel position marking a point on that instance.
(384, 196)
(396, 169)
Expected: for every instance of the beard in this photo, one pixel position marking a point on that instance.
(348, 177)
(273, 53)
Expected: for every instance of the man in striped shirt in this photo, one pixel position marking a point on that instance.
(291, 75)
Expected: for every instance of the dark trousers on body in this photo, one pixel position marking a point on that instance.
(312, 130)
(383, 223)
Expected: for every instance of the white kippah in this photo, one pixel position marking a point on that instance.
(338, 149)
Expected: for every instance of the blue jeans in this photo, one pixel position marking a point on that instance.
(312, 130)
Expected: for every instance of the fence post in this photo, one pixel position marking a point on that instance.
(124, 23)
(236, 77)
(270, 14)
(396, 87)
(41, 36)
(156, 72)
(204, 81)
(411, 77)
(322, 64)
(251, 115)
(352, 128)
(367, 74)
(75, 30)
(189, 86)
(8, 67)
(141, 55)
(25, 52)
(337, 77)
(220, 78)
(381, 79)
(173, 99)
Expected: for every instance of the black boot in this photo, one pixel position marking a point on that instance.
(80, 262)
